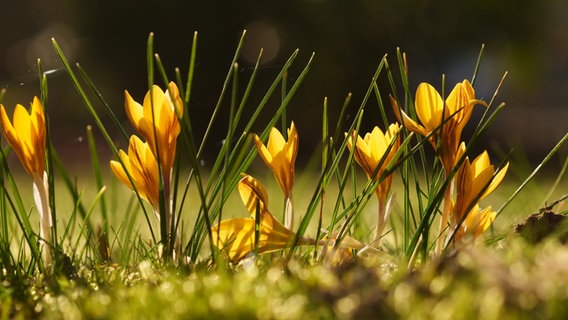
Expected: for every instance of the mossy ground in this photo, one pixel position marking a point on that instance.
(509, 279)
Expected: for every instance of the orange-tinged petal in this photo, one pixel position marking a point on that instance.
(143, 169)
(471, 179)
(252, 192)
(497, 179)
(26, 135)
(369, 151)
(236, 237)
(276, 142)
(118, 170)
(262, 150)
(408, 122)
(458, 98)
(280, 156)
(483, 173)
(134, 111)
(486, 218)
(477, 222)
(292, 143)
(429, 106)
(377, 143)
(361, 153)
(462, 100)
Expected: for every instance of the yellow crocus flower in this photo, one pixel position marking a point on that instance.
(436, 115)
(475, 224)
(443, 121)
(158, 112)
(280, 156)
(27, 135)
(471, 179)
(236, 236)
(141, 164)
(368, 153)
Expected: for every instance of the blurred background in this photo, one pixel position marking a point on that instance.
(108, 37)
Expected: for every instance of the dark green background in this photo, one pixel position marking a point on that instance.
(526, 38)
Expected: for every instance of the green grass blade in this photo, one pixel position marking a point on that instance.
(99, 123)
(533, 174)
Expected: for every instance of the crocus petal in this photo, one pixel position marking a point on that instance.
(462, 100)
(276, 142)
(134, 111)
(459, 98)
(477, 222)
(292, 144)
(378, 143)
(406, 120)
(236, 237)
(362, 154)
(252, 192)
(429, 106)
(496, 181)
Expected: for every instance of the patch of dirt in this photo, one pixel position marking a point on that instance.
(539, 226)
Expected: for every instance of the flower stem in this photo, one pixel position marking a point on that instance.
(381, 220)
(446, 211)
(289, 213)
(41, 197)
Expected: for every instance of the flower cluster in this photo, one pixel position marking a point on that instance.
(157, 120)
(442, 123)
(239, 237)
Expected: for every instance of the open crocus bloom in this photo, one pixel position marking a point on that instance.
(143, 169)
(159, 112)
(27, 135)
(236, 236)
(370, 151)
(436, 115)
(280, 156)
